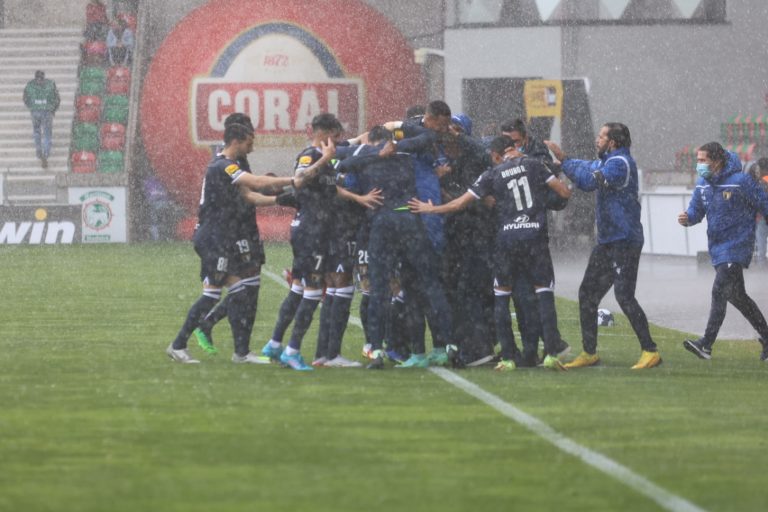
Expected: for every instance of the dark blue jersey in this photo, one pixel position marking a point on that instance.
(393, 175)
(519, 187)
(219, 215)
(315, 198)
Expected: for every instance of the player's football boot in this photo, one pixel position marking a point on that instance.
(553, 363)
(342, 362)
(563, 349)
(295, 362)
(368, 351)
(180, 356)
(205, 342)
(271, 352)
(438, 357)
(697, 347)
(320, 361)
(377, 360)
(395, 356)
(505, 365)
(251, 358)
(583, 360)
(415, 361)
(647, 360)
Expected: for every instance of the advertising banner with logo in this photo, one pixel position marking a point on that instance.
(40, 225)
(281, 63)
(104, 213)
(543, 98)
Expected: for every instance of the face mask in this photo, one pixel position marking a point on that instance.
(703, 171)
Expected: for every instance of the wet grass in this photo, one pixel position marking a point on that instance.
(94, 417)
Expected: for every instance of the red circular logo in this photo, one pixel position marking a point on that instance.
(282, 62)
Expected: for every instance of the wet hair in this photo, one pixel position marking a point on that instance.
(239, 118)
(438, 108)
(414, 111)
(500, 144)
(515, 125)
(379, 134)
(715, 152)
(235, 132)
(762, 164)
(619, 134)
(326, 122)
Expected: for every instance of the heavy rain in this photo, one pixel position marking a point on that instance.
(398, 216)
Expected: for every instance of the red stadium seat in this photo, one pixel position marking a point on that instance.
(88, 109)
(95, 53)
(130, 20)
(83, 162)
(112, 136)
(118, 80)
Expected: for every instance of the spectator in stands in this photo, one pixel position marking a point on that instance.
(120, 40)
(42, 99)
(158, 206)
(96, 22)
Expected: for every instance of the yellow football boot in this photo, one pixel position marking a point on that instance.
(583, 360)
(647, 360)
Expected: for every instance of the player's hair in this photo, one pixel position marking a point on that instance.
(715, 152)
(619, 134)
(438, 108)
(414, 111)
(379, 134)
(235, 132)
(239, 118)
(500, 144)
(326, 122)
(762, 165)
(515, 125)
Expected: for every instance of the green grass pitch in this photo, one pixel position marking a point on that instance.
(95, 417)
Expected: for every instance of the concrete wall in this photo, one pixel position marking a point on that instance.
(671, 84)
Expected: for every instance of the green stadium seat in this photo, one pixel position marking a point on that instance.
(115, 109)
(85, 137)
(92, 87)
(89, 73)
(111, 161)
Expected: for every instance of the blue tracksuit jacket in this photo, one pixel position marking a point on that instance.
(730, 199)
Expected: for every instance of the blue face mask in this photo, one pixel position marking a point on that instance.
(703, 171)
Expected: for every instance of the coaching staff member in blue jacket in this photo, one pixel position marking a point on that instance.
(730, 199)
(615, 259)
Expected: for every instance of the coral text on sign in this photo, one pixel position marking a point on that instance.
(274, 108)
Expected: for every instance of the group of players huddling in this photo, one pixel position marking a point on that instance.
(369, 212)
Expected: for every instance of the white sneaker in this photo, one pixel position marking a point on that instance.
(250, 357)
(180, 356)
(320, 361)
(342, 362)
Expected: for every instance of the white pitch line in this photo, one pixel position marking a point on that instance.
(610, 467)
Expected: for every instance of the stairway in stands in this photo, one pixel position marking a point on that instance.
(22, 51)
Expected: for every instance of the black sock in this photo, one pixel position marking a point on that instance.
(364, 301)
(503, 322)
(285, 316)
(339, 318)
(326, 312)
(303, 319)
(213, 317)
(241, 307)
(548, 316)
(199, 309)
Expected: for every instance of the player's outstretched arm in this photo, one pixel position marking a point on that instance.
(371, 200)
(456, 205)
(257, 199)
(560, 188)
